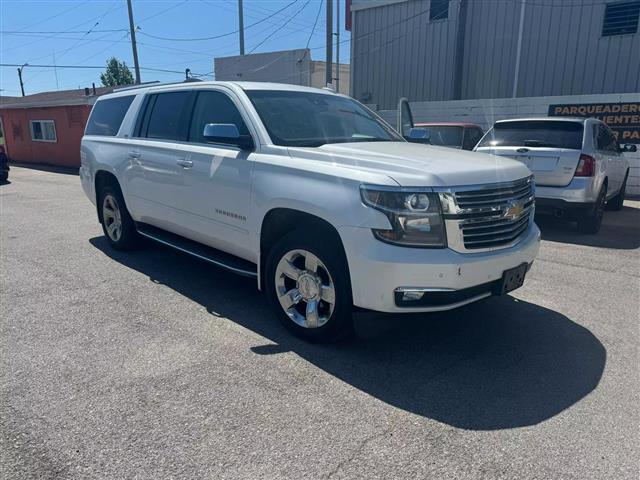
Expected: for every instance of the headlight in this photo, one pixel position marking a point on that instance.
(415, 217)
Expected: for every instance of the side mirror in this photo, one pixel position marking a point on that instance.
(227, 133)
(628, 147)
(419, 135)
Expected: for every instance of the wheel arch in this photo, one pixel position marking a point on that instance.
(279, 221)
(102, 178)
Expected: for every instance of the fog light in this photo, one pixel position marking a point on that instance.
(412, 296)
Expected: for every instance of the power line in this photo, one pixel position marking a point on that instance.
(314, 24)
(217, 36)
(284, 25)
(101, 67)
(56, 15)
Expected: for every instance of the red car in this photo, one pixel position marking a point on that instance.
(463, 136)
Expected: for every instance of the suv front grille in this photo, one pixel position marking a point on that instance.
(490, 217)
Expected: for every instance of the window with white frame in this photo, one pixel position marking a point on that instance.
(43, 131)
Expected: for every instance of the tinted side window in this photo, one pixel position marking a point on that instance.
(107, 115)
(168, 116)
(471, 137)
(606, 139)
(214, 107)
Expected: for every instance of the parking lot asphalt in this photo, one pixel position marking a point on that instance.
(152, 364)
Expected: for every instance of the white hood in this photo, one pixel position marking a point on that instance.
(412, 164)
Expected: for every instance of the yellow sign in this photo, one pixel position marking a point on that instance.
(623, 118)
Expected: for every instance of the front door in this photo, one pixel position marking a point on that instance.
(218, 177)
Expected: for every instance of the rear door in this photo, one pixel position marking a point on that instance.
(157, 155)
(550, 148)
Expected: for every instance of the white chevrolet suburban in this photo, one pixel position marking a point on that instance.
(312, 194)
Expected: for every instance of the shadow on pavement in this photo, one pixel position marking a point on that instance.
(501, 363)
(620, 230)
(43, 167)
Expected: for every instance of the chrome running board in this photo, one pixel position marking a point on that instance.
(198, 250)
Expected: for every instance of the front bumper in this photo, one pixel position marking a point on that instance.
(378, 270)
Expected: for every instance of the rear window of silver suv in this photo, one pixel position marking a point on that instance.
(535, 133)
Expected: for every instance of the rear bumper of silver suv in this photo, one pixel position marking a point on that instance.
(576, 200)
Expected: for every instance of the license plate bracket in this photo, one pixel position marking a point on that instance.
(512, 279)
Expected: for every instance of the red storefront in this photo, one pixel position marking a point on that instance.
(47, 127)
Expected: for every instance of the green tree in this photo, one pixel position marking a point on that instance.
(117, 73)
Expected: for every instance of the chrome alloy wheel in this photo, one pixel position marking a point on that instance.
(111, 217)
(305, 288)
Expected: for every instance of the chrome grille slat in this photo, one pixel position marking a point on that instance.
(466, 203)
(483, 216)
(498, 239)
(508, 228)
(473, 224)
(461, 196)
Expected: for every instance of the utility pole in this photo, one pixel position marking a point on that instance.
(132, 29)
(241, 26)
(337, 46)
(55, 71)
(329, 60)
(20, 77)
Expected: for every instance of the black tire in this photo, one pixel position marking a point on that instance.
(331, 255)
(617, 202)
(591, 224)
(4, 176)
(128, 238)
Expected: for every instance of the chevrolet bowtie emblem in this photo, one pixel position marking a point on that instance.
(514, 210)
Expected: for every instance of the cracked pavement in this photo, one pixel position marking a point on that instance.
(154, 365)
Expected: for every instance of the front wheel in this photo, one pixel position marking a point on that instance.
(591, 224)
(307, 284)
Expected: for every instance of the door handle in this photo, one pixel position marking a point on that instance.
(184, 163)
(134, 154)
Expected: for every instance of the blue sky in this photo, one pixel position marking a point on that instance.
(87, 32)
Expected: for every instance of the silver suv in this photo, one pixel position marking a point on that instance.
(579, 166)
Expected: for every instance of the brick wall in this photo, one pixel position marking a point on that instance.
(486, 111)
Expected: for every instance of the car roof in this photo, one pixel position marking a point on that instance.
(447, 124)
(547, 119)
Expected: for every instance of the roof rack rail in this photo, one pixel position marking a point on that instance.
(142, 85)
(156, 84)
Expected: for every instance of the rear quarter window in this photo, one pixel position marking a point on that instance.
(535, 133)
(107, 115)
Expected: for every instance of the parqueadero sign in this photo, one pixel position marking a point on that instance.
(623, 118)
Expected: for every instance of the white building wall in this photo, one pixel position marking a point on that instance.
(486, 111)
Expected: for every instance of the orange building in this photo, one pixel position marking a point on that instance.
(47, 127)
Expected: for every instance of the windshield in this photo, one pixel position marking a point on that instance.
(535, 133)
(305, 119)
(447, 136)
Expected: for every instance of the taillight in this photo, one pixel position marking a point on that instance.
(586, 166)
